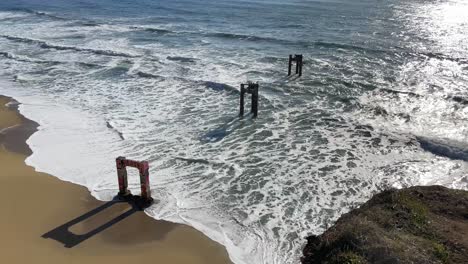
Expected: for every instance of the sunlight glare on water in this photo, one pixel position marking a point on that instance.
(382, 102)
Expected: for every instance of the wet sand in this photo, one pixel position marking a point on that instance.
(33, 204)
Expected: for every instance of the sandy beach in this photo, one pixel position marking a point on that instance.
(35, 203)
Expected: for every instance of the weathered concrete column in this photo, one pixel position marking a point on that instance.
(298, 59)
(144, 181)
(299, 65)
(122, 176)
(252, 88)
(254, 104)
(242, 95)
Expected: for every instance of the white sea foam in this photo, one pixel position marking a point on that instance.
(65, 138)
(10, 15)
(256, 186)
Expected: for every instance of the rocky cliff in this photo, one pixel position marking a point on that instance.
(414, 225)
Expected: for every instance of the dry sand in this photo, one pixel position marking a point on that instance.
(34, 203)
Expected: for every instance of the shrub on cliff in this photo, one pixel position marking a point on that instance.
(416, 225)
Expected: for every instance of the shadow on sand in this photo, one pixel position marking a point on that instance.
(69, 239)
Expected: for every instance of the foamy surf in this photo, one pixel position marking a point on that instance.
(369, 112)
(80, 148)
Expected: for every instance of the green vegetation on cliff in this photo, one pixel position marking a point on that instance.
(416, 225)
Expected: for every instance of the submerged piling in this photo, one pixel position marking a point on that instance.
(298, 59)
(250, 88)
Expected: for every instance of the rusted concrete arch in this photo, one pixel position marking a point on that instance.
(143, 167)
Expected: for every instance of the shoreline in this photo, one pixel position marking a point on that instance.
(46, 202)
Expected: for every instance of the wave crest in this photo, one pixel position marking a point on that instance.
(46, 45)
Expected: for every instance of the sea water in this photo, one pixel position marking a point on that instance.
(382, 103)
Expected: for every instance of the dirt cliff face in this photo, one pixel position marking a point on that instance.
(414, 225)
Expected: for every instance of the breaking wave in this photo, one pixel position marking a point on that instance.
(162, 84)
(45, 45)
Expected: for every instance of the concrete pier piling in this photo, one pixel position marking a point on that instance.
(298, 60)
(290, 64)
(122, 177)
(250, 88)
(143, 167)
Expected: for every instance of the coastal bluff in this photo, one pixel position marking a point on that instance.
(422, 224)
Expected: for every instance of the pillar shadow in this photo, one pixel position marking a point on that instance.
(293, 77)
(287, 79)
(222, 131)
(63, 235)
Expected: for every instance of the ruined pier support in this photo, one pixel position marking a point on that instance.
(298, 59)
(143, 167)
(250, 88)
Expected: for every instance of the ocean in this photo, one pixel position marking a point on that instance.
(382, 102)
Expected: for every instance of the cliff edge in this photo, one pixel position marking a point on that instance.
(422, 224)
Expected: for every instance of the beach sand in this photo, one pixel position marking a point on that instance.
(33, 204)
